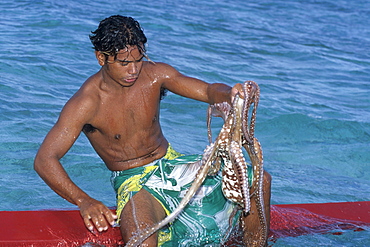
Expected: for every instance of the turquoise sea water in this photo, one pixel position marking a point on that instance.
(311, 59)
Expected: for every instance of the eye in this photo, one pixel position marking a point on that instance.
(124, 63)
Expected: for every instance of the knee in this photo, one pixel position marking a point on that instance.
(267, 190)
(267, 179)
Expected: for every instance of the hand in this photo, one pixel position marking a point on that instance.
(237, 89)
(96, 215)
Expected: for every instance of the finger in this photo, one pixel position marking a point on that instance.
(110, 216)
(239, 88)
(88, 224)
(100, 223)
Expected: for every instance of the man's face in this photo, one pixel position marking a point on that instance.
(125, 67)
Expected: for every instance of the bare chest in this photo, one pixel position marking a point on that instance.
(122, 118)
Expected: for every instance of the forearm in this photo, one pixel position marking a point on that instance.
(93, 212)
(218, 92)
(54, 175)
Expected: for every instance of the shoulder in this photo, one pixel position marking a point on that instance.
(161, 70)
(157, 65)
(83, 104)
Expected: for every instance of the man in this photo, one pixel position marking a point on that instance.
(118, 110)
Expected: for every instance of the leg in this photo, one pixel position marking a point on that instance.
(251, 223)
(141, 211)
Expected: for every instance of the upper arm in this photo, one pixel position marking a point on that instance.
(183, 85)
(193, 88)
(74, 115)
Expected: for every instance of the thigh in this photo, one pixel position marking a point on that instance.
(142, 211)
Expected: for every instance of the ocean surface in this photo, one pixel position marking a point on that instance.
(311, 59)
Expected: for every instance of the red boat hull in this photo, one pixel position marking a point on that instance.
(66, 228)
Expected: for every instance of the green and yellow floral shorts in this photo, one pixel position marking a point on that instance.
(203, 222)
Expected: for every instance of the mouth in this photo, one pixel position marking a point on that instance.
(130, 80)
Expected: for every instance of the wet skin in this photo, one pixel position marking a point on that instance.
(118, 110)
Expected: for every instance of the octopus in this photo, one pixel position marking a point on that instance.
(236, 134)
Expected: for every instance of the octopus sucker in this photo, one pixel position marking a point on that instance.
(236, 133)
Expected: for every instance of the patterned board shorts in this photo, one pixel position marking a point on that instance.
(203, 222)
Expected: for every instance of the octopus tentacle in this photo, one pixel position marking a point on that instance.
(236, 155)
(251, 90)
(256, 155)
(217, 110)
(240, 167)
(254, 150)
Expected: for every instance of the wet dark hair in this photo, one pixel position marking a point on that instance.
(116, 33)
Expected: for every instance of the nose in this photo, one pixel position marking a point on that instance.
(133, 68)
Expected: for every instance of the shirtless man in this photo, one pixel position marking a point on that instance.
(118, 110)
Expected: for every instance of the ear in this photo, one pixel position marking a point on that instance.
(100, 57)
